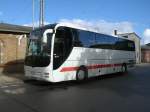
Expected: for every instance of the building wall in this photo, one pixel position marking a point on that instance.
(137, 47)
(12, 48)
(145, 55)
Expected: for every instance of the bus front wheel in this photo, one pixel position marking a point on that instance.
(81, 74)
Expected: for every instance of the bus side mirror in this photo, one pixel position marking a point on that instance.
(44, 39)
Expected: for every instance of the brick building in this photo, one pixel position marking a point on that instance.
(13, 41)
(145, 49)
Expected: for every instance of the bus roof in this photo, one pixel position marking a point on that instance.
(90, 29)
(77, 26)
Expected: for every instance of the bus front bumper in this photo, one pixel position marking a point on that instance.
(38, 74)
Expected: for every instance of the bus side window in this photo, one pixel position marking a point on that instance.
(83, 38)
(76, 41)
(131, 46)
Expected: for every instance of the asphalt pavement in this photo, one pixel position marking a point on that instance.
(129, 92)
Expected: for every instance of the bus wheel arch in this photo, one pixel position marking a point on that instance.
(82, 73)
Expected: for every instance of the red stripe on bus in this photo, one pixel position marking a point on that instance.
(67, 69)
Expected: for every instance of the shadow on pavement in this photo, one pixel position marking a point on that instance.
(14, 69)
(134, 82)
(72, 83)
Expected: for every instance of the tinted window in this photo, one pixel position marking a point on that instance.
(76, 40)
(95, 40)
(62, 45)
(105, 41)
(123, 44)
(131, 46)
(85, 38)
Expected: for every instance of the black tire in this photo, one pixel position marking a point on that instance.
(81, 74)
(124, 68)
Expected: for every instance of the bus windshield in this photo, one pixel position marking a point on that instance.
(38, 52)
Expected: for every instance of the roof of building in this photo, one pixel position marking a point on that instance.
(127, 34)
(147, 47)
(4, 27)
(148, 44)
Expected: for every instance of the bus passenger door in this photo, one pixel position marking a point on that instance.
(62, 46)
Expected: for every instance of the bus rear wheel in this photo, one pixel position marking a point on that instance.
(81, 74)
(124, 68)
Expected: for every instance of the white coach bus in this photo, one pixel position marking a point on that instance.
(62, 52)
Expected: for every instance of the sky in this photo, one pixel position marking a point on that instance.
(124, 15)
